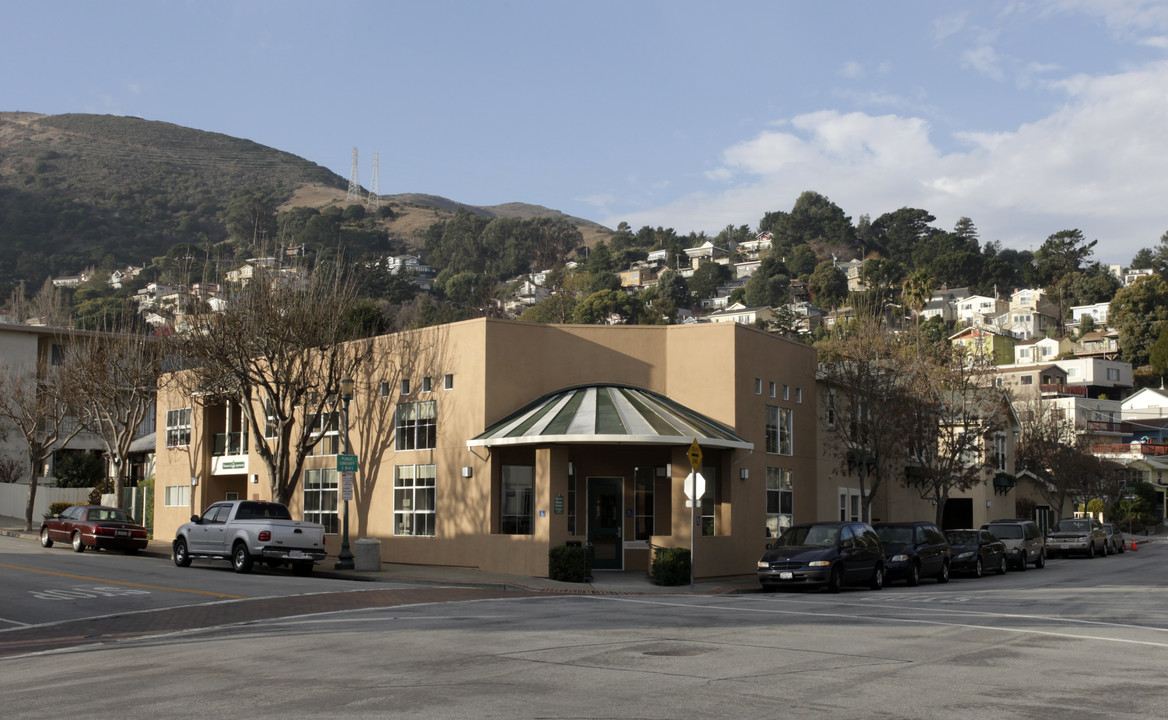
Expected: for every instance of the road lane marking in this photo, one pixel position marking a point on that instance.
(121, 582)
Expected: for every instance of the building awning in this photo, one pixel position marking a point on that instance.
(609, 414)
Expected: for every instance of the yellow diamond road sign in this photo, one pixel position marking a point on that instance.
(695, 456)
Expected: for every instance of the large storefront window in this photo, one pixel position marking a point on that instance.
(413, 500)
(320, 497)
(780, 500)
(517, 505)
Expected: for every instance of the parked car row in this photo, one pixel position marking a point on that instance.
(834, 554)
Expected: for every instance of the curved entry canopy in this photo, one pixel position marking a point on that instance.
(611, 414)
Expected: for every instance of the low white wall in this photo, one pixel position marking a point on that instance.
(14, 499)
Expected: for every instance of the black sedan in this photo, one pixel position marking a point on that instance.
(827, 554)
(94, 526)
(975, 551)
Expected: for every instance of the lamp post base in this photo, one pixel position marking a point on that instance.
(344, 559)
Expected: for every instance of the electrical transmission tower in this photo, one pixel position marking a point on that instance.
(373, 201)
(354, 195)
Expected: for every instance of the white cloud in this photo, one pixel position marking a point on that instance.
(984, 59)
(1095, 164)
(948, 25)
(851, 70)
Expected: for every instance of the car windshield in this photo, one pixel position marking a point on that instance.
(823, 535)
(961, 537)
(1011, 532)
(1074, 525)
(1108, 528)
(895, 535)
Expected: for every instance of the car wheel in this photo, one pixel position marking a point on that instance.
(1020, 566)
(46, 541)
(182, 556)
(943, 577)
(1040, 563)
(1091, 551)
(241, 561)
(302, 569)
(1106, 550)
(914, 575)
(835, 580)
(78, 543)
(1002, 566)
(977, 568)
(877, 578)
(1122, 548)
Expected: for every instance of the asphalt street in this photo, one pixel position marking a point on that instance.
(1081, 638)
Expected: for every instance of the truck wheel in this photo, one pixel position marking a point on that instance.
(302, 568)
(181, 555)
(241, 561)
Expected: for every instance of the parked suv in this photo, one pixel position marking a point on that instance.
(1023, 539)
(913, 550)
(1084, 536)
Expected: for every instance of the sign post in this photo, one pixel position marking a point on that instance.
(695, 487)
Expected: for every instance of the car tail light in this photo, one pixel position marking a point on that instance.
(265, 535)
(138, 533)
(102, 530)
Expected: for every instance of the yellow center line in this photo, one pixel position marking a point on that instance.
(120, 582)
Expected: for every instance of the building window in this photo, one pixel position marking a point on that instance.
(758, 386)
(383, 389)
(326, 425)
(773, 389)
(1113, 374)
(176, 496)
(780, 499)
(1027, 379)
(405, 387)
(709, 503)
(571, 498)
(321, 494)
(447, 382)
(798, 395)
(413, 500)
(178, 427)
(786, 392)
(426, 384)
(778, 430)
(517, 505)
(1000, 452)
(271, 429)
(851, 505)
(643, 483)
(416, 426)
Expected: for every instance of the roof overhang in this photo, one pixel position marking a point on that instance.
(608, 414)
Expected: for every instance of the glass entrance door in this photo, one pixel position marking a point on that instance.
(605, 521)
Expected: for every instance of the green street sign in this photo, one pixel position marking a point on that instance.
(346, 463)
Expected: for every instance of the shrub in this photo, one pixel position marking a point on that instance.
(57, 508)
(671, 566)
(569, 564)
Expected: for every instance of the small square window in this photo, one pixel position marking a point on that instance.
(426, 384)
(447, 382)
(405, 387)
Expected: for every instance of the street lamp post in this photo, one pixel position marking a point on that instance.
(345, 557)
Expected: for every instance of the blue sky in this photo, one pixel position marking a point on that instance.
(1028, 116)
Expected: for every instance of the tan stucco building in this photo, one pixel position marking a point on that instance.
(484, 443)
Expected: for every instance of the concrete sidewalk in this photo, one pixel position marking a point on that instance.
(607, 582)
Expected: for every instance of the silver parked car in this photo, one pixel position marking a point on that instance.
(1023, 539)
(1079, 536)
(1115, 537)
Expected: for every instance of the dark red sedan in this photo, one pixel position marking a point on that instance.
(95, 526)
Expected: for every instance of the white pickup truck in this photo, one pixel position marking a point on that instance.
(248, 530)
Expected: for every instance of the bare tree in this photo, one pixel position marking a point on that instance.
(1050, 450)
(868, 397)
(280, 350)
(40, 406)
(113, 378)
(955, 416)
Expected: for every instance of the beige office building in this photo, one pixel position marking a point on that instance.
(484, 443)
